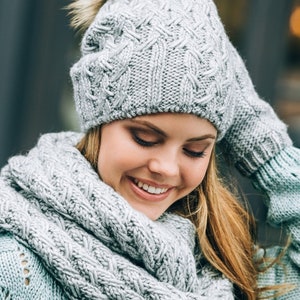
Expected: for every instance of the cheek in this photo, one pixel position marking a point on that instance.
(116, 158)
(196, 172)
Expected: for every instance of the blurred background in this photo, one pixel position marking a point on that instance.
(37, 48)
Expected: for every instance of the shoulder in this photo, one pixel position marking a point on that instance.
(22, 275)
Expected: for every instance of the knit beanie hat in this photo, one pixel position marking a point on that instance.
(150, 56)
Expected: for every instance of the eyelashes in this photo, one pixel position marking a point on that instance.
(194, 154)
(150, 143)
(143, 142)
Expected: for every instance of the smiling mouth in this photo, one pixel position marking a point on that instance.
(148, 188)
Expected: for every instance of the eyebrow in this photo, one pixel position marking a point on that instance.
(151, 126)
(162, 133)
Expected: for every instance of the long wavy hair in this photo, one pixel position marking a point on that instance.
(225, 230)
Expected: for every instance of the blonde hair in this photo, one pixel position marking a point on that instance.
(224, 230)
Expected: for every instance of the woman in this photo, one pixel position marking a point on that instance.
(134, 207)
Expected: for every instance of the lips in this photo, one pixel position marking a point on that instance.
(149, 191)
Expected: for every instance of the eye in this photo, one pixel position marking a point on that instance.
(143, 138)
(194, 154)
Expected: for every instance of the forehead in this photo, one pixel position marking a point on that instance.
(188, 122)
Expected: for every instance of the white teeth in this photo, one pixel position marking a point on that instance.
(150, 189)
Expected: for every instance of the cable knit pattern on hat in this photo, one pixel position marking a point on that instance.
(142, 57)
(149, 56)
(93, 243)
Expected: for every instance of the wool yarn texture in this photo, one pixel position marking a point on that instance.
(89, 238)
(151, 56)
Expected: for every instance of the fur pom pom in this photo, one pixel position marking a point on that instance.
(83, 12)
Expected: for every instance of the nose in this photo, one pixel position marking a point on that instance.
(165, 163)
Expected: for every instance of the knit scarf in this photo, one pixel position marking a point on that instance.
(88, 237)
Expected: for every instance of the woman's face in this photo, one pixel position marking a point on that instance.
(155, 160)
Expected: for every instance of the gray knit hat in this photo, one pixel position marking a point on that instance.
(149, 56)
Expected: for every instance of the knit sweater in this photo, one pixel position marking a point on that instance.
(22, 274)
(54, 246)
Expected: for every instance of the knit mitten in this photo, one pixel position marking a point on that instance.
(256, 133)
(279, 178)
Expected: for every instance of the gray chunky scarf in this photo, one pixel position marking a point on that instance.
(89, 238)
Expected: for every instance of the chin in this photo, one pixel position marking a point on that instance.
(149, 212)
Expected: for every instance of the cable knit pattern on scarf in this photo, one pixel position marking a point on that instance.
(92, 242)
